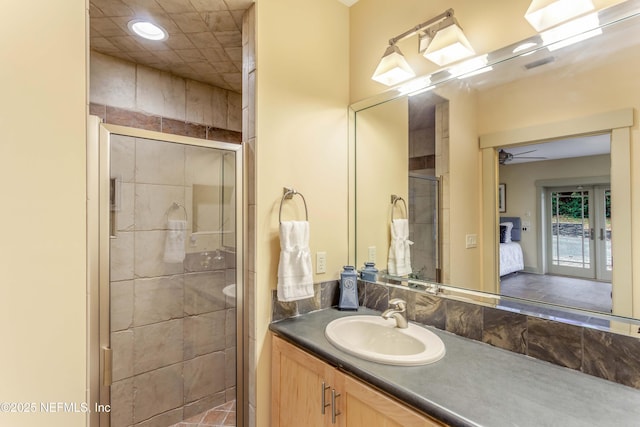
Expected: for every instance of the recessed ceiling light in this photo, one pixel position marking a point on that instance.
(148, 30)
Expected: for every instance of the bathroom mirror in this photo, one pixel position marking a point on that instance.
(213, 205)
(571, 94)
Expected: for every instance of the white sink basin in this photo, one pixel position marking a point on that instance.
(379, 340)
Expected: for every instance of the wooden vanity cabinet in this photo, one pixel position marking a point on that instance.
(298, 383)
(300, 380)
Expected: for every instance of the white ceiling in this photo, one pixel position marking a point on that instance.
(204, 44)
(580, 146)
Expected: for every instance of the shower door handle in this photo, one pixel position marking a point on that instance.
(107, 367)
(602, 234)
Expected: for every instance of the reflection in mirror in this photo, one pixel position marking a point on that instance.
(206, 207)
(411, 172)
(567, 208)
(212, 199)
(571, 223)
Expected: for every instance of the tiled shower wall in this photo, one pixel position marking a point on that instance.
(172, 326)
(128, 94)
(422, 135)
(249, 143)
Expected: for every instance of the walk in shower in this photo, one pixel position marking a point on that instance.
(171, 315)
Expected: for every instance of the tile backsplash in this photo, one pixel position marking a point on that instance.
(607, 355)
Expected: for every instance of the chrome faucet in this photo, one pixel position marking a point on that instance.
(395, 310)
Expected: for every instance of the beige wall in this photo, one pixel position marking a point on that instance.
(302, 94)
(552, 97)
(521, 191)
(43, 186)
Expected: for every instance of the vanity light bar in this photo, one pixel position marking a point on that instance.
(441, 40)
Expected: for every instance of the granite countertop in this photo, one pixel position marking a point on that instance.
(476, 384)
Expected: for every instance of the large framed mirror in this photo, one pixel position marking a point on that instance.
(539, 141)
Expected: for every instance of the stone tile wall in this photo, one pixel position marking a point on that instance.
(128, 94)
(249, 142)
(607, 355)
(173, 329)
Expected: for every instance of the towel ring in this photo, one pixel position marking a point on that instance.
(394, 200)
(288, 193)
(176, 205)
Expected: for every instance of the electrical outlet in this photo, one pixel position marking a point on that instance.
(472, 241)
(321, 262)
(372, 254)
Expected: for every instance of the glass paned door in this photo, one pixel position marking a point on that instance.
(579, 232)
(604, 267)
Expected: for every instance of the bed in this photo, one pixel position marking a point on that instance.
(511, 257)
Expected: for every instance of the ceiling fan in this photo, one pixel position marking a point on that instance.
(505, 157)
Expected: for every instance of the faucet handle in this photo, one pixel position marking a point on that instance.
(398, 303)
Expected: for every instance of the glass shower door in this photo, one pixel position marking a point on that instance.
(172, 282)
(424, 226)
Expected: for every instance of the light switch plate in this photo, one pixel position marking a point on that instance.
(321, 262)
(472, 241)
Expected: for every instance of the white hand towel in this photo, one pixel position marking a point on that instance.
(399, 263)
(295, 274)
(174, 243)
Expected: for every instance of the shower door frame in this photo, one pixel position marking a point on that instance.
(98, 262)
(436, 220)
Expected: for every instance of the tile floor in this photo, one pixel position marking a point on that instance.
(570, 291)
(223, 415)
(564, 291)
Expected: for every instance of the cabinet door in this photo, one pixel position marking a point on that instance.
(297, 387)
(362, 406)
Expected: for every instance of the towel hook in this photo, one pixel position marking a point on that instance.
(288, 193)
(176, 205)
(395, 199)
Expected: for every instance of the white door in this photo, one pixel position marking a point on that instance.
(579, 231)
